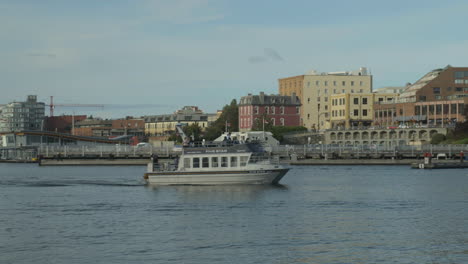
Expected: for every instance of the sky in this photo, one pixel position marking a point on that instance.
(148, 57)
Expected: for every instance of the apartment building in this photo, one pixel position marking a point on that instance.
(21, 116)
(275, 109)
(158, 125)
(315, 88)
(439, 97)
(355, 110)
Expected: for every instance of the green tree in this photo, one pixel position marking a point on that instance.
(437, 138)
(230, 116)
(193, 130)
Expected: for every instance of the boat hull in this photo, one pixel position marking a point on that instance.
(272, 176)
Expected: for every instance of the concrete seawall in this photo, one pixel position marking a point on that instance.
(353, 162)
(94, 162)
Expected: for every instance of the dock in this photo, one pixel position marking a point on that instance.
(453, 164)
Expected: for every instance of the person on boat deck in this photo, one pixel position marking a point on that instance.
(155, 159)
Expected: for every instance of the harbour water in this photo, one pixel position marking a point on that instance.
(320, 214)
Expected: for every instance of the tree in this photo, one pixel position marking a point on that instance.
(193, 130)
(229, 116)
(437, 138)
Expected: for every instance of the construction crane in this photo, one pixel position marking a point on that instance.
(52, 105)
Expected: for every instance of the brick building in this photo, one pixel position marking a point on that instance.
(438, 98)
(62, 124)
(280, 110)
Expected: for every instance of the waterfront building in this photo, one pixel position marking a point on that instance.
(22, 116)
(63, 123)
(96, 127)
(355, 109)
(278, 110)
(157, 125)
(438, 98)
(315, 88)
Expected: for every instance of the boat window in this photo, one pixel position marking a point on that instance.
(243, 161)
(233, 161)
(214, 162)
(196, 162)
(186, 163)
(224, 161)
(205, 162)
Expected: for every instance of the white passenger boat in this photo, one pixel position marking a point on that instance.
(219, 163)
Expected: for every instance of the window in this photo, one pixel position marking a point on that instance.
(436, 90)
(364, 100)
(458, 89)
(205, 162)
(224, 162)
(256, 109)
(380, 99)
(233, 161)
(317, 83)
(422, 98)
(352, 90)
(344, 83)
(326, 99)
(334, 91)
(318, 99)
(282, 109)
(325, 83)
(272, 109)
(186, 162)
(325, 91)
(334, 83)
(297, 109)
(352, 83)
(364, 112)
(196, 162)
(282, 121)
(267, 109)
(356, 101)
(360, 90)
(438, 109)
(360, 83)
(243, 161)
(356, 112)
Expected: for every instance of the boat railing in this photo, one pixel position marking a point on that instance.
(264, 159)
(162, 166)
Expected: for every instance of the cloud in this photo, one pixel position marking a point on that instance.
(44, 55)
(273, 54)
(270, 55)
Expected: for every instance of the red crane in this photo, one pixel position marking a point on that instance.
(52, 105)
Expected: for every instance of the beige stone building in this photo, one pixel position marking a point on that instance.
(314, 89)
(166, 124)
(355, 109)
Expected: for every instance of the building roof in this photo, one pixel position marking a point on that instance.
(274, 99)
(410, 92)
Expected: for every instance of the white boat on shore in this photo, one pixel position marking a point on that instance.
(217, 164)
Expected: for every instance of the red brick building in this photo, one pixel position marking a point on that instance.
(439, 97)
(62, 124)
(277, 110)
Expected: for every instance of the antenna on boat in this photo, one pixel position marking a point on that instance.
(181, 131)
